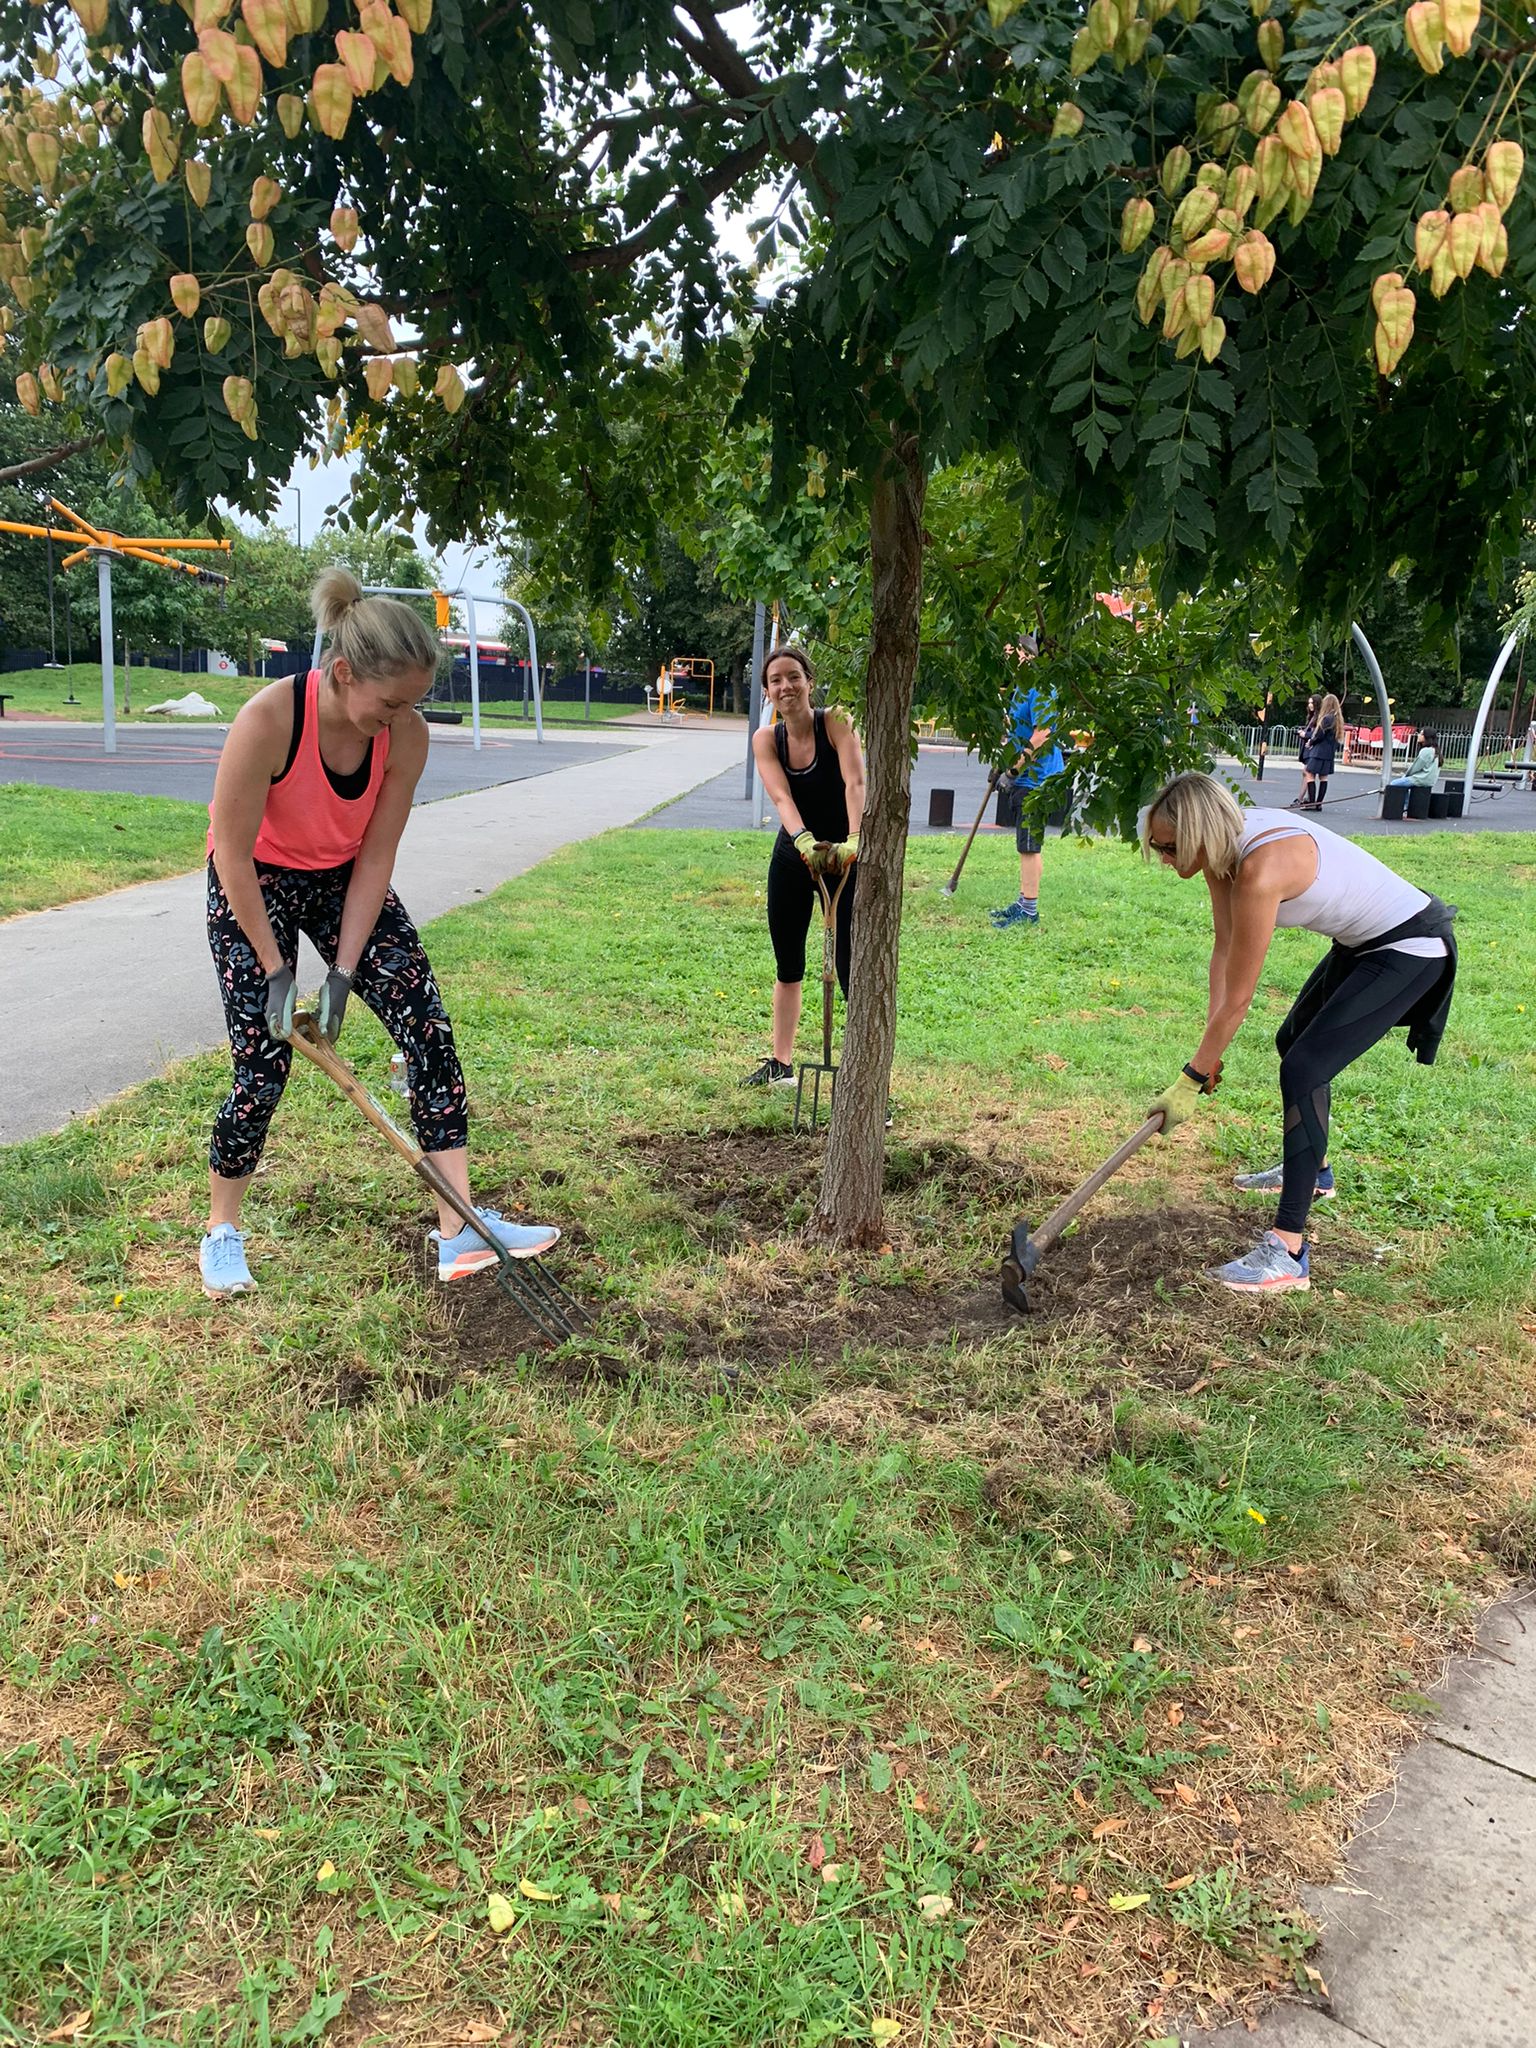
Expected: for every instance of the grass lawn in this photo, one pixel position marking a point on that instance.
(45, 689)
(59, 844)
(815, 1654)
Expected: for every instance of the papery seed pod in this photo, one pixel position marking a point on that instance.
(1464, 241)
(1263, 104)
(1442, 272)
(328, 354)
(1253, 262)
(1148, 298)
(380, 374)
(372, 323)
(1102, 22)
(265, 193)
(239, 396)
(159, 143)
(258, 239)
(1357, 74)
(46, 64)
(158, 341)
(1200, 299)
(268, 297)
(216, 333)
(31, 241)
(1429, 237)
(1395, 316)
(1067, 124)
(1326, 73)
(1389, 352)
(1212, 335)
(1131, 43)
(199, 89)
(208, 13)
(1503, 167)
(1494, 253)
(1460, 19)
(1175, 314)
(44, 152)
(344, 227)
(449, 388)
(357, 55)
(330, 100)
(1242, 189)
(1424, 28)
(1187, 342)
(1195, 211)
(244, 89)
(1271, 42)
(1389, 281)
(417, 15)
(267, 21)
(1086, 52)
(1210, 247)
(119, 373)
(1223, 126)
(23, 290)
(1188, 10)
(1176, 274)
(186, 293)
(392, 40)
(220, 52)
(1175, 170)
(199, 177)
(91, 15)
(147, 371)
(1296, 130)
(1329, 112)
(1212, 178)
(28, 394)
(290, 111)
(1466, 191)
(48, 377)
(1272, 167)
(407, 377)
(1136, 224)
(1305, 171)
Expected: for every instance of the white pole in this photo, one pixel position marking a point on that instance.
(511, 605)
(108, 676)
(474, 667)
(1483, 709)
(1384, 709)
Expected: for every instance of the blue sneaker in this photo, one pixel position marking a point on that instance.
(467, 1251)
(1268, 1269)
(1015, 913)
(1269, 1181)
(221, 1260)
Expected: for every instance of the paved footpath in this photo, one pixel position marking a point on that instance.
(1430, 1932)
(98, 996)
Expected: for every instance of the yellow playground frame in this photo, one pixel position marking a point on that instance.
(685, 668)
(104, 544)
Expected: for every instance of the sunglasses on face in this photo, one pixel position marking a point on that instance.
(1163, 851)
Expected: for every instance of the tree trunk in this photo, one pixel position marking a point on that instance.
(851, 1207)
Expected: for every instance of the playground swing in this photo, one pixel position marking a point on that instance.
(108, 546)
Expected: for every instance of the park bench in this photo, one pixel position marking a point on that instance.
(5, 698)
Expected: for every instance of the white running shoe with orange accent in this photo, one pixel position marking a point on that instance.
(467, 1251)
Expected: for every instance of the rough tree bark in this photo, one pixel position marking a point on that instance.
(850, 1209)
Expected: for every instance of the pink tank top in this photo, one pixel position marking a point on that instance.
(307, 823)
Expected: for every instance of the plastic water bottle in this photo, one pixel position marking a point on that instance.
(397, 1079)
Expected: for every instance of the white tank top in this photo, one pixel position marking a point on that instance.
(1353, 898)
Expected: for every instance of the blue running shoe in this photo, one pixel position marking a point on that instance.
(1268, 1182)
(1268, 1269)
(467, 1251)
(221, 1260)
(1005, 920)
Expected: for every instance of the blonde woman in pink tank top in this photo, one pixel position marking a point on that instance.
(313, 790)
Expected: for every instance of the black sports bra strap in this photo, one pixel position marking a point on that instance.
(300, 688)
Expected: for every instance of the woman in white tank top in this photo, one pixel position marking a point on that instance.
(1392, 961)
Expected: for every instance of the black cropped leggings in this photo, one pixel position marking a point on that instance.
(1348, 1003)
(792, 898)
(394, 978)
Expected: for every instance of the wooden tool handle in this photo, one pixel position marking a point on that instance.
(1058, 1220)
(954, 881)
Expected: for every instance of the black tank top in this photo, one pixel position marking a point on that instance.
(817, 790)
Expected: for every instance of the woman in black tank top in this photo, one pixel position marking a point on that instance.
(813, 768)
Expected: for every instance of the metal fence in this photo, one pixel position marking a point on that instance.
(1284, 741)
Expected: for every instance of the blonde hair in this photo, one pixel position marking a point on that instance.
(378, 637)
(1205, 820)
(1331, 709)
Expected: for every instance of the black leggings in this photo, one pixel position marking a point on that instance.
(393, 978)
(792, 897)
(1348, 1003)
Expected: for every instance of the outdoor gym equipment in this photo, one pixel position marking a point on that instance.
(689, 668)
(442, 600)
(553, 1312)
(811, 1068)
(106, 545)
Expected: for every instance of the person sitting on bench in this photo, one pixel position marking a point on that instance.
(1424, 767)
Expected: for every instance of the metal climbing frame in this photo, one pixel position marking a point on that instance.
(1484, 710)
(469, 600)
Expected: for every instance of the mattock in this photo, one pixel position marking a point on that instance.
(553, 1311)
(811, 1068)
(1026, 1249)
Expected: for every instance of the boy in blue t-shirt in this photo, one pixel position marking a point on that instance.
(1039, 758)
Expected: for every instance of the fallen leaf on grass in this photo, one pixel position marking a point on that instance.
(326, 1872)
(816, 1852)
(1128, 1902)
(1177, 1884)
(475, 2031)
(1142, 1646)
(882, 2031)
(530, 1890)
(501, 1912)
(1176, 1715)
(935, 1905)
(1185, 1794)
(1107, 1827)
(77, 2024)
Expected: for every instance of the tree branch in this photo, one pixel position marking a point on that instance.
(51, 459)
(717, 56)
(621, 255)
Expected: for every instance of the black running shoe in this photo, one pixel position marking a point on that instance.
(771, 1074)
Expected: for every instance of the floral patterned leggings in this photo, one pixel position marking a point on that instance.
(394, 978)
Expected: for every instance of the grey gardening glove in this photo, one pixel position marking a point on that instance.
(278, 1008)
(332, 1005)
